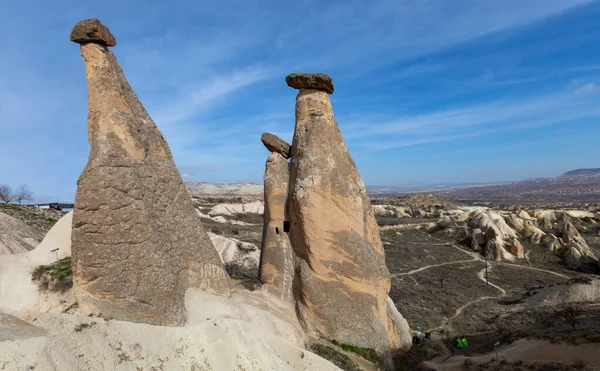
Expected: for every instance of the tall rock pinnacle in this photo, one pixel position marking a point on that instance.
(276, 269)
(137, 241)
(342, 281)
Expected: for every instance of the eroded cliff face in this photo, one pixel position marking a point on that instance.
(137, 241)
(342, 283)
(277, 257)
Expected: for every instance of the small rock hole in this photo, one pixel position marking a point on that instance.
(286, 226)
(276, 230)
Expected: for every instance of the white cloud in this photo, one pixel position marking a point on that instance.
(585, 89)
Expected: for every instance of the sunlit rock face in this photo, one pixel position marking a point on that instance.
(137, 242)
(342, 283)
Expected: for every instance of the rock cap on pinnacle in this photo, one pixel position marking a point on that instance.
(276, 144)
(92, 31)
(303, 80)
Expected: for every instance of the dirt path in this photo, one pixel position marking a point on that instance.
(431, 266)
(481, 275)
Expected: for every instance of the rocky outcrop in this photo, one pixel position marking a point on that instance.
(317, 81)
(342, 283)
(477, 239)
(516, 248)
(256, 207)
(137, 241)
(277, 257)
(92, 31)
(546, 219)
(515, 222)
(530, 230)
(240, 258)
(494, 250)
(17, 237)
(577, 251)
(552, 242)
(390, 211)
(276, 144)
(445, 222)
(524, 215)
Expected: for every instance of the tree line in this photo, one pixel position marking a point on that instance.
(22, 193)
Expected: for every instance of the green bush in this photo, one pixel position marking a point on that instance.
(367, 353)
(60, 272)
(339, 359)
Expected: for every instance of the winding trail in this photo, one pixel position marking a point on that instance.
(431, 266)
(475, 257)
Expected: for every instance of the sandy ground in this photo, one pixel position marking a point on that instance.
(249, 331)
(221, 334)
(530, 351)
(17, 292)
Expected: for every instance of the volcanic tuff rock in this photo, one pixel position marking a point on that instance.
(16, 236)
(342, 283)
(137, 241)
(577, 250)
(276, 144)
(256, 207)
(477, 239)
(277, 257)
(517, 249)
(92, 31)
(318, 81)
(515, 222)
(241, 258)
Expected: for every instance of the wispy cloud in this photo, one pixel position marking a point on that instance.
(203, 95)
(585, 89)
(478, 120)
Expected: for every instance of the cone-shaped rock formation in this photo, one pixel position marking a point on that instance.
(277, 257)
(342, 283)
(137, 241)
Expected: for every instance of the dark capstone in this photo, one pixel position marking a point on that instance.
(301, 80)
(276, 144)
(92, 31)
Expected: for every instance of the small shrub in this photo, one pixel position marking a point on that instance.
(60, 273)
(339, 359)
(367, 353)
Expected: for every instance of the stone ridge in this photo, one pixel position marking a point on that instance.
(276, 144)
(92, 31)
(303, 80)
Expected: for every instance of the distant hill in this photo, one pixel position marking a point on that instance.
(570, 188)
(581, 173)
(570, 176)
(231, 189)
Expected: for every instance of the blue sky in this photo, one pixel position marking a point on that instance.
(426, 91)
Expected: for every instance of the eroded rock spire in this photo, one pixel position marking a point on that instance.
(342, 282)
(276, 269)
(137, 241)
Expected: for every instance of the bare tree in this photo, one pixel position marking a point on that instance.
(442, 274)
(23, 193)
(570, 315)
(6, 193)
